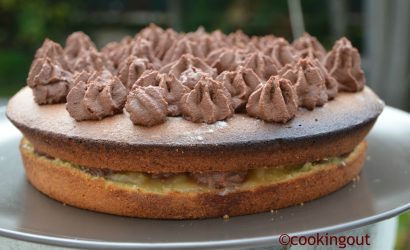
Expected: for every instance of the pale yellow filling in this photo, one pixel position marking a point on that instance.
(184, 183)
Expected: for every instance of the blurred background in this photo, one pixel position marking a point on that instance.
(380, 29)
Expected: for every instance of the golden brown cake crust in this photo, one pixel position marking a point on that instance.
(78, 189)
(240, 143)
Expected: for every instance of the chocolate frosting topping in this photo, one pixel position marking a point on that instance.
(83, 55)
(240, 84)
(90, 62)
(207, 42)
(131, 69)
(161, 40)
(150, 78)
(273, 101)
(309, 83)
(78, 43)
(263, 42)
(262, 65)
(173, 92)
(281, 52)
(49, 81)
(309, 46)
(343, 63)
(330, 82)
(208, 102)
(54, 51)
(143, 48)
(167, 39)
(173, 89)
(152, 33)
(201, 76)
(238, 39)
(181, 47)
(189, 69)
(95, 96)
(224, 59)
(118, 52)
(147, 105)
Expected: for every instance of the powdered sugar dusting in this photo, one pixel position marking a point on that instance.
(203, 130)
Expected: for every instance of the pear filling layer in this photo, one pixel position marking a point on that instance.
(198, 182)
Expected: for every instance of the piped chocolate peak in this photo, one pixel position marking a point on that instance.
(273, 101)
(200, 76)
(96, 96)
(309, 83)
(208, 102)
(344, 64)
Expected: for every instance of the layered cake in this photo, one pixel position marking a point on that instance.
(193, 125)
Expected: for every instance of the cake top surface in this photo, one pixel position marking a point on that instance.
(161, 75)
(346, 112)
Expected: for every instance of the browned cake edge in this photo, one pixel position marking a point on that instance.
(229, 158)
(79, 189)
